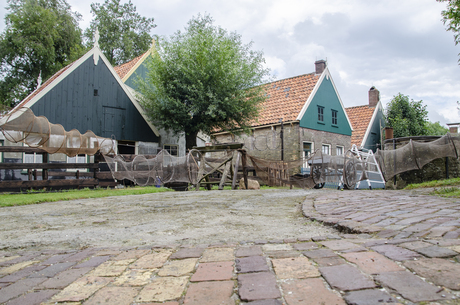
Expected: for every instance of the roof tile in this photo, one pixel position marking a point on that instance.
(286, 98)
(124, 69)
(360, 117)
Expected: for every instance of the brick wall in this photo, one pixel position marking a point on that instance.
(265, 142)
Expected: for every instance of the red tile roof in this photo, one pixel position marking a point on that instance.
(123, 70)
(286, 98)
(360, 117)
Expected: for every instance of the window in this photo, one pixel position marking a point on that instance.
(326, 149)
(334, 117)
(307, 149)
(77, 159)
(339, 150)
(320, 114)
(32, 158)
(173, 150)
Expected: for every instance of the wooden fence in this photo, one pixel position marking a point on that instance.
(91, 176)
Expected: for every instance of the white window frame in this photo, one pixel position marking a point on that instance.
(337, 147)
(78, 159)
(323, 148)
(35, 160)
(304, 157)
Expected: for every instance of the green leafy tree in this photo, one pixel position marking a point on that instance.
(124, 34)
(407, 118)
(203, 79)
(435, 129)
(451, 18)
(41, 36)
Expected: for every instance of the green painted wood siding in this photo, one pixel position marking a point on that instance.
(327, 98)
(373, 140)
(73, 104)
(141, 72)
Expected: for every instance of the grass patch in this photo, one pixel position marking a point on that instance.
(40, 197)
(447, 192)
(434, 183)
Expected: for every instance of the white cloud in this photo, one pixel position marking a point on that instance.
(397, 46)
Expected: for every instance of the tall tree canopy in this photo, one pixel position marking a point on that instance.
(203, 79)
(124, 34)
(40, 36)
(408, 118)
(435, 129)
(451, 18)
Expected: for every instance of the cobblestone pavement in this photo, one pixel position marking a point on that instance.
(394, 248)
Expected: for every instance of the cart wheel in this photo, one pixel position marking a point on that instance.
(350, 175)
(319, 185)
(316, 172)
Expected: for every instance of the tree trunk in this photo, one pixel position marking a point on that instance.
(190, 140)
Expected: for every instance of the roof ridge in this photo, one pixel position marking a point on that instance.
(360, 106)
(292, 77)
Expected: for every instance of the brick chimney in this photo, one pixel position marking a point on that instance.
(320, 65)
(374, 97)
(453, 127)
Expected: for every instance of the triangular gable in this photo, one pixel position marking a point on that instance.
(372, 124)
(364, 119)
(325, 87)
(97, 54)
(126, 70)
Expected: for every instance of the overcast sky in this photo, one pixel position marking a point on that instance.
(394, 45)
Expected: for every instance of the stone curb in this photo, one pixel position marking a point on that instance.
(344, 226)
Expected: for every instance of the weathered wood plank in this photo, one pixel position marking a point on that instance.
(235, 171)
(219, 147)
(48, 183)
(226, 170)
(25, 149)
(47, 165)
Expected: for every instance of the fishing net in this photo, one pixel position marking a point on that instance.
(158, 170)
(416, 154)
(23, 126)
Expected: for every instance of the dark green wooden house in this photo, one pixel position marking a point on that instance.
(89, 95)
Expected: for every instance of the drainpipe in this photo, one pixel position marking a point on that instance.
(282, 140)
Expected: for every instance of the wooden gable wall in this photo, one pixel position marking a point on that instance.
(75, 104)
(140, 72)
(372, 138)
(326, 97)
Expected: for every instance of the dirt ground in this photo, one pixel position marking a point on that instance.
(169, 218)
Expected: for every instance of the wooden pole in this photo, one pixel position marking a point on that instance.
(245, 168)
(200, 172)
(226, 170)
(235, 171)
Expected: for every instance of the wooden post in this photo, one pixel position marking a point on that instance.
(35, 174)
(235, 171)
(45, 171)
(225, 174)
(29, 173)
(245, 168)
(200, 172)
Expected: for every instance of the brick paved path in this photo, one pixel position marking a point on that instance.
(405, 250)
